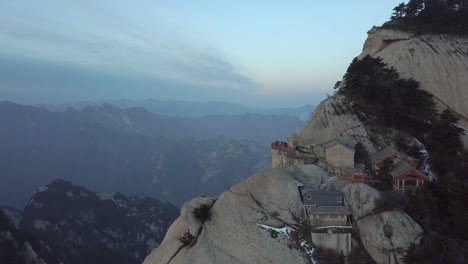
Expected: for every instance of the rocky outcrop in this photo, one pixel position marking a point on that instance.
(310, 175)
(242, 225)
(387, 235)
(439, 62)
(360, 198)
(19, 247)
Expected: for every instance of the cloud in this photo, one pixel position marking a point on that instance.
(35, 81)
(73, 49)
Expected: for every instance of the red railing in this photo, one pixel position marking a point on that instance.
(280, 145)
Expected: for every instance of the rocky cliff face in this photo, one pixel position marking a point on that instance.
(242, 225)
(438, 62)
(335, 118)
(67, 223)
(386, 236)
(17, 246)
(258, 221)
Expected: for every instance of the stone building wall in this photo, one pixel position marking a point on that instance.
(338, 242)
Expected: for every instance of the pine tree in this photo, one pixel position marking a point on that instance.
(399, 11)
(384, 173)
(361, 156)
(411, 256)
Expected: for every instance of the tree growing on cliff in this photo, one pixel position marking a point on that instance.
(435, 16)
(445, 144)
(399, 12)
(361, 156)
(399, 103)
(384, 175)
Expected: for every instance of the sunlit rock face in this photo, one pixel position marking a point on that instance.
(386, 236)
(439, 62)
(249, 223)
(335, 119)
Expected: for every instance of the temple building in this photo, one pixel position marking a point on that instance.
(403, 169)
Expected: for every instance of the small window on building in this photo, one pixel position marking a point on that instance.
(309, 197)
(339, 200)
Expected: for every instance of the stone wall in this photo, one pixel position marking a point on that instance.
(339, 242)
(289, 158)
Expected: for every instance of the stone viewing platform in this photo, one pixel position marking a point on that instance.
(333, 156)
(283, 155)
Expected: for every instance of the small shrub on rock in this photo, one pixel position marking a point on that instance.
(202, 212)
(273, 234)
(187, 239)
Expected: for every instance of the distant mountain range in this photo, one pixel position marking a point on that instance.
(66, 223)
(262, 129)
(190, 109)
(130, 151)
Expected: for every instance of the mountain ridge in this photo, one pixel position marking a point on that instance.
(187, 108)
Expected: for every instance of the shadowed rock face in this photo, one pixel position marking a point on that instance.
(360, 198)
(81, 226)
(438, 62)
(335, 119)
(19, 247)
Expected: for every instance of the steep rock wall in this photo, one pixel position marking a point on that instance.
(334, 118)
(388, 235)
(439, 62)
(234, 234)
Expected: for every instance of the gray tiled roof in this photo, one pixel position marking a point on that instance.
(332, 142)
(387, 153)
(401, 167)
(384, 154)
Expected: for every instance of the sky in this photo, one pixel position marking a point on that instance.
(256, 53)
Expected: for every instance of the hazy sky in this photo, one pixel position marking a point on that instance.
(264, 53)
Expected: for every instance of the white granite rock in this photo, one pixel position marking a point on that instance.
(388, 235)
